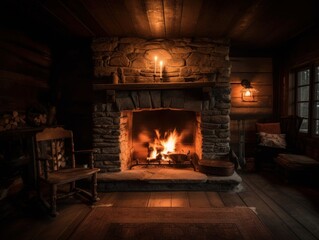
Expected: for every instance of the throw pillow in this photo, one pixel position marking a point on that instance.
(273, 128)
(272, 140)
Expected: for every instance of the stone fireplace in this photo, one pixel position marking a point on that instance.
(195, 83)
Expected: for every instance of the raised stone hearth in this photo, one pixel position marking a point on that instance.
(161, 179)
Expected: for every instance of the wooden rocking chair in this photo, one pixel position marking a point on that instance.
(56, 167)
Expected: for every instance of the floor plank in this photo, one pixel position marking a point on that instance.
(231, 199)
(160, 199)
(308, 217)
(180, 199)
(198, 200)
(132, 199)
(266, 214)
(289, 211)
(215, 199)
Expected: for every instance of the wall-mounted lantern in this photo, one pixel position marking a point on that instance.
(248, 93)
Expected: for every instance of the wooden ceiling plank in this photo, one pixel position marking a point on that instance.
(64, 15)
(247, 19)
(190, 15)
(172, 15)
(79, 9)
(122, 16)
(219, 16)
(101, 14)
(155, 15)
(289, 27)
(138, 14)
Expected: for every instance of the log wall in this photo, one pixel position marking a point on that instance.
(24, 71)
(260, 72)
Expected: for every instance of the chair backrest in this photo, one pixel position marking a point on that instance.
(290, 126)
(55, 150)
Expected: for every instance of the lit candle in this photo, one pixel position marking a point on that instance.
(161, 68)
(155, 60)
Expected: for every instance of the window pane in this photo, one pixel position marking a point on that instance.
(316, 110)
(303, 93)
(302, 110)
(304, 126)
(303, 77)
(316, 91)
(317, 127)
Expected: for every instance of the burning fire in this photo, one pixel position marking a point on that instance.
(163, 145)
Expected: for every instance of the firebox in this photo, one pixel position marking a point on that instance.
(163, 138)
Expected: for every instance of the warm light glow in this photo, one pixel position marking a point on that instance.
(155, 60)
(247, 93)
(164, 145)
(161, 68)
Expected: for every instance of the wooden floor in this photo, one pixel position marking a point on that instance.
(290, 211)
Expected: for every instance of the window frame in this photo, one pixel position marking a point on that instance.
(311, 130)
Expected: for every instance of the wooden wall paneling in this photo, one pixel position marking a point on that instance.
(40, 59)
(251, 65)
(15, 63)
(260, 72)
(24, 71)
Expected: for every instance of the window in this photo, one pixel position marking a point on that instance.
(302, 99)
(306, 98)
(316, 102)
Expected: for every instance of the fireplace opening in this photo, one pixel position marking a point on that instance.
(163, 137)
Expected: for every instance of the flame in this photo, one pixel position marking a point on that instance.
(163, 145)
(247, 93)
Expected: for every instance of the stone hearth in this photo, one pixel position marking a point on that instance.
(161, 179)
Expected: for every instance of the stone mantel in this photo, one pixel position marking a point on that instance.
(155, 86)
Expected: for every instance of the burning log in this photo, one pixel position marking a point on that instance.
(178, 157)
